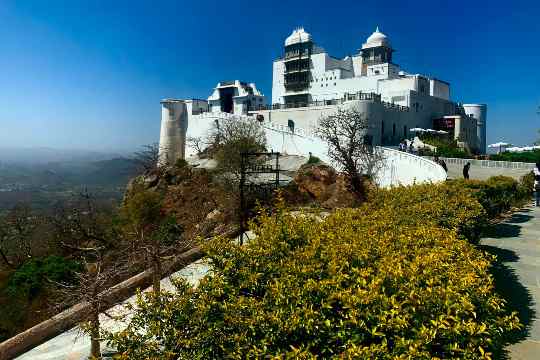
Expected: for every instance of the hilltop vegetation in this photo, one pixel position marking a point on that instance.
(399, 276)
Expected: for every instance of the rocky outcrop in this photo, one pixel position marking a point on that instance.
(324, 186)
(314, 179)
(192, 196)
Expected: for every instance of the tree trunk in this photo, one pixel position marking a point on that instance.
(357, 186)
(95, 350)
(4, 257)
(156, 269)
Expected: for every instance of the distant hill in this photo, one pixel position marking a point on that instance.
(43, 155)
(42, 184)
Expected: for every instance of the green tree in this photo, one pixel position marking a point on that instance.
(157, 235)
(229, 138)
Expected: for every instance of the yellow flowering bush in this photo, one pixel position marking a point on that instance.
(450, 206)
(384, 281)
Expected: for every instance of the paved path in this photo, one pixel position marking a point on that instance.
(482, 173)
(516, 242)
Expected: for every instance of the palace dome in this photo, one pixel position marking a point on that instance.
(376, 39)
(298, 36)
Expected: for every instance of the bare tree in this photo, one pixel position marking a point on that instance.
(147, 158)
(89, 236)
(16, 230)
(84, 227)
(350, 145)
(89, 288)
(198, 144)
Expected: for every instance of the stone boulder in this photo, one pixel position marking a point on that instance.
(338, 195)
(322, 184)
(314, 180)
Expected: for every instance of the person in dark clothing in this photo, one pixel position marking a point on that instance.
(536, 187)
(440, 162)
(466, 170)
(443, 164)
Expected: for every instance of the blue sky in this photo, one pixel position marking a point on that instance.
(90, 74)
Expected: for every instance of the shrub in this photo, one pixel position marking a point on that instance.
(181, 163)
(446, 205)
(527, 182)
(313, 160)
(526, 156)
(497, 194)
(445, 147)
(374, 282)
(32, 276)
(142, 209)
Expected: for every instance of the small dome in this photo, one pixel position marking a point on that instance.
(298, 36)
(376, 39)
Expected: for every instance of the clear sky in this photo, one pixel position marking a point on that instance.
(90, 74)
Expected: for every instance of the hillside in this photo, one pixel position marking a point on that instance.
(41, 185)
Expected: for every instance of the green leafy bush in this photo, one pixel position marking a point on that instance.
(527, 182)
(445, 147)
(497, 194)
(181, 163)
(526, 156)
(143, 209)
(381, 281)
(32, 276)
(313, 160)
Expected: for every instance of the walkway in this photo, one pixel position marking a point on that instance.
(482, 173)
(516, 242)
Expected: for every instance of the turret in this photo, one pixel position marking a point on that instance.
(172, 140)
(478, 111)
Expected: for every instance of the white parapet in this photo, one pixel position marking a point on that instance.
(174, 122)
(396, 168)
(402, 168)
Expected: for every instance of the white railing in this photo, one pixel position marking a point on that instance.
(407, 169)
(487, 163)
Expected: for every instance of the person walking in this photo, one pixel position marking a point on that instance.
(466, 170)
(443, 164)
(536, 189)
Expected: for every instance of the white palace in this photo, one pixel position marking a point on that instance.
(308, 83)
